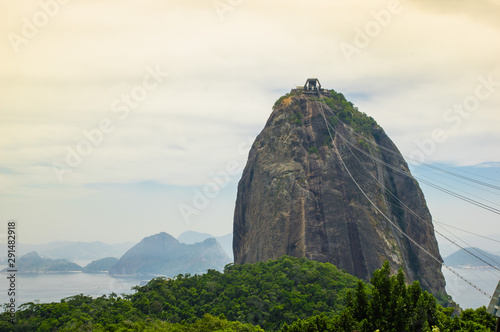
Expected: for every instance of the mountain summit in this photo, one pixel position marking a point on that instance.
(162, 254)
(324, 181)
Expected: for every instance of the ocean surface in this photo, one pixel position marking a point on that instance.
(45, 288)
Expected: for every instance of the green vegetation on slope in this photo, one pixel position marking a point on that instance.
(266, 294)
(394, 307)
(301, 294)
(348, 113)
(345, 111)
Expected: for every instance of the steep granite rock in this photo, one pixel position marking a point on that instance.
(296, 197)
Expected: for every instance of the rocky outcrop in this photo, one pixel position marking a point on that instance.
(162, 254)
(100, 265)
(297, 198)
(33, 263)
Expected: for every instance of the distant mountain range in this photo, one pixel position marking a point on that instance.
(191, 237)
(76, 250)
(73, 251)
(33, 263)
(446, 248)
(162, 254)
(464, 259)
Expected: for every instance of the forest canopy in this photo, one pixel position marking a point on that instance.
(288, 294)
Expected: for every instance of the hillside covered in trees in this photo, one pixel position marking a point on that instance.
(288, 294)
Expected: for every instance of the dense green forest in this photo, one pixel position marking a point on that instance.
(393, 306)
(288, 294)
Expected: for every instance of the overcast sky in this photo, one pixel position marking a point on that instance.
(116, 115)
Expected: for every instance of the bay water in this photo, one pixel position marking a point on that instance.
(52, 287)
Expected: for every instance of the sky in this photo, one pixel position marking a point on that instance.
(122, 119)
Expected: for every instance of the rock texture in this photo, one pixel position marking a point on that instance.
(296, 198)
(162, 254)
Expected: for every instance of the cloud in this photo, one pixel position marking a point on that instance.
(224, 76)
(481, 12)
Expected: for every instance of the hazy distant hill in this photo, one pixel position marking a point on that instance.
(461, 258)
(33, 263)
(446, 248)
(226, 242)
(76, 250)
(162, 254)
(101, 265)
(191, 237)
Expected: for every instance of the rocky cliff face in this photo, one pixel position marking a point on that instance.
(296, 197)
